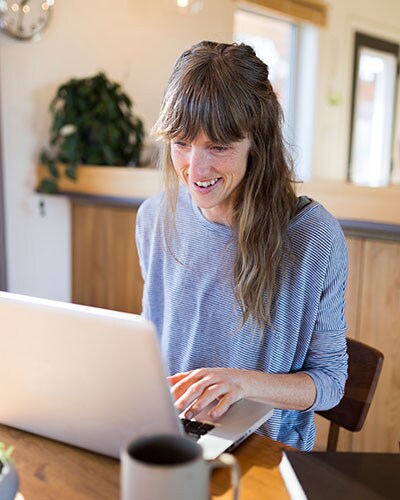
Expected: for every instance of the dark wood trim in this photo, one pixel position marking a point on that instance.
(370, 230)
(3, 260)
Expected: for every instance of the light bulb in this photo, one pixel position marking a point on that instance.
(189, 6)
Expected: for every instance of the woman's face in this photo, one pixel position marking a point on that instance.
(212, 173)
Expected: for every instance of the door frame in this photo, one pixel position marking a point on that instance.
(3, 260)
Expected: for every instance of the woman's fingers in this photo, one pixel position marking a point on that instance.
(194, 385)
(223, 405)
(173, 379)
(196, 389)
(196, 400)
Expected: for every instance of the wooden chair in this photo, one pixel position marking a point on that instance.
(365, 365)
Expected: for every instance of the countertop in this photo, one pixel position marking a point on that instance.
(362, 211)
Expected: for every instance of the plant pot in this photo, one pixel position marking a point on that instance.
(9, 482)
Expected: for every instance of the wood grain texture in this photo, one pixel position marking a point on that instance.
(355, 252)
(105, 265)
(50, 470)
(312, 11)
(380, 327)
(374, 301)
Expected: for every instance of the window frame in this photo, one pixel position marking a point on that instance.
(299, 126)
(362, 40)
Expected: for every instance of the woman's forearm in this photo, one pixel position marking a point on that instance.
(293, 391)
(195, 389)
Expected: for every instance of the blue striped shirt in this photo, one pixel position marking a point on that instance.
(188, 296)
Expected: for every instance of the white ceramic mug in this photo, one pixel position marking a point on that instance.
(170, 467)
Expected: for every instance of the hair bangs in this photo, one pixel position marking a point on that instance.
(202, 104)
(223, 91)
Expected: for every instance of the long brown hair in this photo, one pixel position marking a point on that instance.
(223, 90)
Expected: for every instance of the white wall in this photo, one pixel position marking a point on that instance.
(377, 18)
(136, 43)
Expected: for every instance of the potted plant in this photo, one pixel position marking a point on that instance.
(8, 475)
(92, 124)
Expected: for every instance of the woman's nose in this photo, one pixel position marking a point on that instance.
(198, 164)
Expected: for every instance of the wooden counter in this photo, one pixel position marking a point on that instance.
(106, 271)
(362, 211)
(52, 470)
(129, 186)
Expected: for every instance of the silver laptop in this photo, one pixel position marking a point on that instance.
(94, 378)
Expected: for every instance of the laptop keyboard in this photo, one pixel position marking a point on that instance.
(195, 429)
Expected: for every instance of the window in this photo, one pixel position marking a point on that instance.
(290, 51)
(373, 110)
(272, 39)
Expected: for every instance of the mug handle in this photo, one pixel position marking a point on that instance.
(229, 461)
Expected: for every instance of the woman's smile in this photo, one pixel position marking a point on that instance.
(212, 173)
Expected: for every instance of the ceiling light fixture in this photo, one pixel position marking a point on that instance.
(189, 6)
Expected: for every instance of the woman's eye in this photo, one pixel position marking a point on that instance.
(220, 149)
(180, 144)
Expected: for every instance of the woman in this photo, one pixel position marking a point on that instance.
(244, 281)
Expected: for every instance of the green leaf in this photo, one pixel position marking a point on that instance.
(107, 131)
(53, 170)
(48, 186)
(44, 156)
(70, 171)
(5, 453)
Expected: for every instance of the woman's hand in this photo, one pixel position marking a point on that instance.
(196, 389)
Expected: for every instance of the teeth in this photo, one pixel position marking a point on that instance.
(206, 183)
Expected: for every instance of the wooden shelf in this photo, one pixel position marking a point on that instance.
(348, 201)
(117, 182)
(344, 200)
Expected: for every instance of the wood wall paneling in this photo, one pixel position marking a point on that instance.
(105, 265)
(373, 314)
(355, 251)
(380, 327)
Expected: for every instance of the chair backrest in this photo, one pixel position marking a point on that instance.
(365, 365)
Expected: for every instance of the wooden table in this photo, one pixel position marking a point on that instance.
(52, 470)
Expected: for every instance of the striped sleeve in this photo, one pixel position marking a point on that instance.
(326, 360)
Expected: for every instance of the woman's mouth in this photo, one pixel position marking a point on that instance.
(206, 184)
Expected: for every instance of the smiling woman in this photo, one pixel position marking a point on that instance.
(244, 282)
(212, 173)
